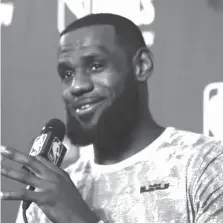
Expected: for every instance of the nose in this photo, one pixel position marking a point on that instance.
(81, 84)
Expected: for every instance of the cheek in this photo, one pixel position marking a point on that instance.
(65, 94)
(114, 82)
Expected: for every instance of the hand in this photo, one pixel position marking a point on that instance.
(56, 194)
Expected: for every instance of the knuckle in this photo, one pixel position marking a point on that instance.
(23, 194)
(57, 179)
(31, 159)
(11, 173)
(28, 178)
(25, 178)
(4, 170)
(39, 158)
(44, 198)
(28, 160)
(48, 186)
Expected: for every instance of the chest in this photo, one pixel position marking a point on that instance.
(138, 196)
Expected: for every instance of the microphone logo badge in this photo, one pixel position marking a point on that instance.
(55, 150)
(38, 145)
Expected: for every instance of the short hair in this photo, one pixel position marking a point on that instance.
(127, 33)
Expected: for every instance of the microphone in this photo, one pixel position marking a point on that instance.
(48, 145)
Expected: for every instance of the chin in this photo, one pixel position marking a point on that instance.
(81, 134)
(87, 123)
(88, 126)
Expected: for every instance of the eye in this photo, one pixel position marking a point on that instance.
(96, 66)
(66, 74)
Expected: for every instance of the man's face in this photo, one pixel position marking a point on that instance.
(96, 79)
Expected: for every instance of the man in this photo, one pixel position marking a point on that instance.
(141, 172)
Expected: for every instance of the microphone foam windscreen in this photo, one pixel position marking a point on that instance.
(57, 127)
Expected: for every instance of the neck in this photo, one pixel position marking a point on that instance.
(144, 132)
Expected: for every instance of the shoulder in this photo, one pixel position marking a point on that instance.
(200, 148)
(192, 143)
(203, 155)
(193, 150)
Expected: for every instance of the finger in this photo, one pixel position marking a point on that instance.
(25, 195)
(30, 162)
(19, 157)
(50, 165)
(23, 177)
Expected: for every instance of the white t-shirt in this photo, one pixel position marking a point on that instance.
(176, 179)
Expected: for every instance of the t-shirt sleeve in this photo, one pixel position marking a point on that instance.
(205, 196)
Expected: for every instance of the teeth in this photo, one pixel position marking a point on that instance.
(82, 107)
(85, 106)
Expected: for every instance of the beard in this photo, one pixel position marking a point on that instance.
(77, 134)
(115, 122)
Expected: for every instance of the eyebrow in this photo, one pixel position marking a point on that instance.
(64, 65)
(86, 59)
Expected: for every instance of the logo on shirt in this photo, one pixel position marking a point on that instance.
(153, 187)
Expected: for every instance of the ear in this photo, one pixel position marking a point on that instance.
(143, 63)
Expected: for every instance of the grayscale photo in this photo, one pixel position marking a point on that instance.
(111, 111)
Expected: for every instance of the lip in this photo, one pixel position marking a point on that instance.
(91, 105)
(89, 110)
(87, 101)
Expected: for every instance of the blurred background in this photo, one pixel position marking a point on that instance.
(186, 89)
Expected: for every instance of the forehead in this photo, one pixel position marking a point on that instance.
(96, 36)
